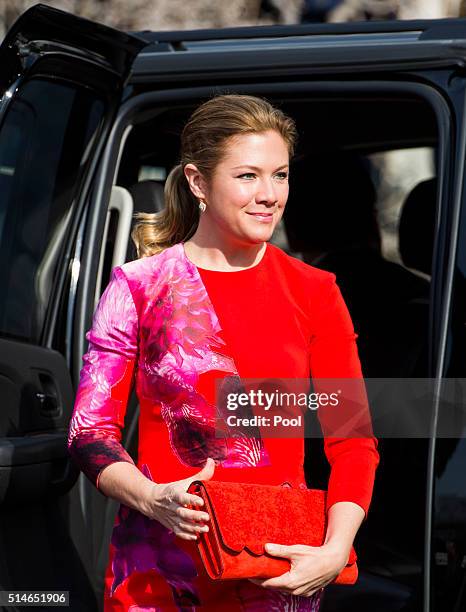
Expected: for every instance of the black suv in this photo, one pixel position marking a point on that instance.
(90, 119)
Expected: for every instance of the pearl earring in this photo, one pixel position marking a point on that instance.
(202, 206)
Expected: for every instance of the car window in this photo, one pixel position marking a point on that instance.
(45, 140)
(402, 178)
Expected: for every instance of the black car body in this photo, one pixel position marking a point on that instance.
(89, 118)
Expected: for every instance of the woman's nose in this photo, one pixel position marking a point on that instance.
(266, 192)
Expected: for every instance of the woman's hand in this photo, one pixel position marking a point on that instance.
(312, 568)
(167, 504)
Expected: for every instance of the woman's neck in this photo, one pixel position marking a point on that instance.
(223, 257)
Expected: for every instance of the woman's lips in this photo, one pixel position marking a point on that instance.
(263, 217)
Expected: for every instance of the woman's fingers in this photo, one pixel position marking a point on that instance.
(192, 515)
(183, 535)
(187, 523)
(187, 499)
(183, 499)
(189, 531)
(190, 528)
(175, 511)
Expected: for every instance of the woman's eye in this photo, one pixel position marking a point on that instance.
(280, 175)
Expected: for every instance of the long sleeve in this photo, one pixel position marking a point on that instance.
(106, 379)
(334, 355)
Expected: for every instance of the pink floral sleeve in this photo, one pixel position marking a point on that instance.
(106, 379)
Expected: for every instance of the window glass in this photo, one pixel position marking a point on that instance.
(154, 173)
(45, 142)
(399, 175)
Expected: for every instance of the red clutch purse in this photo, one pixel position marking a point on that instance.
(245, 516)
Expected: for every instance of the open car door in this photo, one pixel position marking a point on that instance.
(61, 82)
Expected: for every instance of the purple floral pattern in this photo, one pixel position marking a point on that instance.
(143, 544)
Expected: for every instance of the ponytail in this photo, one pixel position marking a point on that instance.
(177, 222)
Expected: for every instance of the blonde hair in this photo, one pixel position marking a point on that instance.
(203, 143)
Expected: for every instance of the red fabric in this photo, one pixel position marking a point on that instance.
(286, 319)
(234, 548)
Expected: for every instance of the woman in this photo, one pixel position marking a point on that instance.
(210, 298)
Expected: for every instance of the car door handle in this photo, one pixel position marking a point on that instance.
(48, 404)
(47, 395)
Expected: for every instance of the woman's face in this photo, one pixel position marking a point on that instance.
(248, 190)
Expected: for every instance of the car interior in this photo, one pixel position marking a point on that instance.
(351, 211)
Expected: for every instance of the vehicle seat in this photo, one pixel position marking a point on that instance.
(148, 196)
(416, 227)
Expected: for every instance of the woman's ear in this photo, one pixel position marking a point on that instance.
(196, 181)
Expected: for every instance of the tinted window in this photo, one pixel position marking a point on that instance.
(44, 141)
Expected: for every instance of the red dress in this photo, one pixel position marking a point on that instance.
(279, 319)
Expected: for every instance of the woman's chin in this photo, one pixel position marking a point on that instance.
(260, 234)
